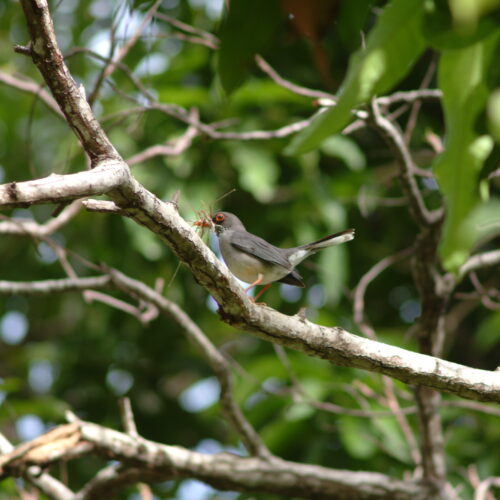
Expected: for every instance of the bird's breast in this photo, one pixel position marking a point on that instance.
(247, 268)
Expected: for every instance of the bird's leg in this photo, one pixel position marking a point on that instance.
(266, 287)
(255, 283)
(259, 279)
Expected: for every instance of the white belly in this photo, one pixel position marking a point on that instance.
(248, 268)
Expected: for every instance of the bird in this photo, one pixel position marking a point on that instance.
(257, 262)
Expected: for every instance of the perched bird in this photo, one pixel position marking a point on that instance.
(253, 260)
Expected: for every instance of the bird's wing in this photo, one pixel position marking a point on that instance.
(253, 245)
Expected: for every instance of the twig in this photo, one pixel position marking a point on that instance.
(109, 68)
(218, 363)
(407, 167)
(299, 390)
(433, 458)
(285, 131)
(131, 429)
(175, 147)
(479, 261)
(366, 279)
(203, 37)
(292, 87)
(482, 492)
(120, 65)
(32, 228)
(32, 87)
(415, 108)
(46, 287)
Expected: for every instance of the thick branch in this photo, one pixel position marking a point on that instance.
(216, 360)
(57, 188)
(333, 344)
(224, 471)
(71, 99)
(47, 484)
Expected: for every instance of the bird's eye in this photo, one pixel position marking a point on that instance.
(219, 218)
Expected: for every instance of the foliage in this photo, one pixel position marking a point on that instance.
(60, 352)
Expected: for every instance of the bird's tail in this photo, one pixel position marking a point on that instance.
(298, 254)
(330, 240)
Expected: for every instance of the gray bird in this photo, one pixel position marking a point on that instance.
(253, 260)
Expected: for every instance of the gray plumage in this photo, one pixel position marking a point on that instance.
(250, 257)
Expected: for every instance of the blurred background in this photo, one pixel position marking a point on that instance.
(59, 352)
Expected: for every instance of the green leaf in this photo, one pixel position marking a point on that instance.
(258, 171)
(488, 334)
(351, 21)
(494, 114)
(391, 437)
(345, 149)
(145, 242)
(184, 96)
(441, 31)
(246, 31)
(462, 77)
(355, 436)
(466, 13)
(391, 49)
(299, 411)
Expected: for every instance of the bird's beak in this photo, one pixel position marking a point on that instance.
(203, 223)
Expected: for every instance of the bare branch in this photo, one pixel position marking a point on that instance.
(334, 344)
(56, 188)
(108, 70)
(47, 484)
(208, 130)
(47, 287)
(32, 228)
(483, 488)
(200, 36)
(211, 354)
(479, 261)
(412, 119)
(175, 147)
(396, 142)
(71, 99)
(366, 279)
(409, 96)
(224, 471)
(292, 87)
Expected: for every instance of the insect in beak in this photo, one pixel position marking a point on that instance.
(202, 223)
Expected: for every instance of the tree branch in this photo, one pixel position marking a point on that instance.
(32, 228)
(398, 147)
(47, 484)
(224, 471)
(112, 176)
(71, 99)
(31, 87)
(480, 260)
(333, 344)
